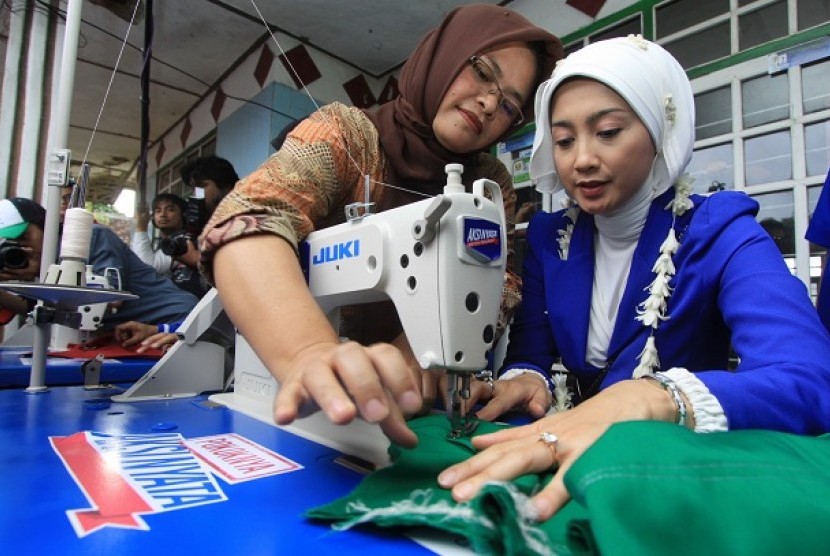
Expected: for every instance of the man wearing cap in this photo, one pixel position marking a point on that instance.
(21, 231)
(159, 299)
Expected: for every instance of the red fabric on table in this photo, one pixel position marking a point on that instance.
(108, 347)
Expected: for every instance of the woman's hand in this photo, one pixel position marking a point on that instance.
(347, 379)
(528, 392)
(510, 453)
(296, 342)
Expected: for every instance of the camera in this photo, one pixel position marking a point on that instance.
(12, 255)
(176, 245)
(195, 216)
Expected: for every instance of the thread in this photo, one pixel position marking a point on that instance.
(77, 232)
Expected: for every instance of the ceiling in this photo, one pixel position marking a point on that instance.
(196, 42)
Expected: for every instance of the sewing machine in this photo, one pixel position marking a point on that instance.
(92, 314)
(441, 262)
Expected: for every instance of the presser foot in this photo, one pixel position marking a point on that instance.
(462, 422)
(466, 426)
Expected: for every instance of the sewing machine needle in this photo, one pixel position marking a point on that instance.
(461, 424)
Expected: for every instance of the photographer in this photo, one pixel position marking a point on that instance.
(179, 223)
(214, 176)
(20, 247)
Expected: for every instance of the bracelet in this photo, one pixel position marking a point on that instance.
(669, 386)
(518, 371)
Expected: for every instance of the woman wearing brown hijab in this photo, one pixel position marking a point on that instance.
(468, 83)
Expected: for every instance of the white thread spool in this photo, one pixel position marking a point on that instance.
(77, 232)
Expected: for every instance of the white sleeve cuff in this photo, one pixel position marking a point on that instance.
(709, 415)
(513, 373)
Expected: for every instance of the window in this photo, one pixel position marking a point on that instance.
(762, 25)
(777, 217)
(818, 254)
(765, 99)
(701, 47)
(812, 13)
(631, 27)
(815, 86)
(817, 148)
(768, 158)
(712, 169)
(680, 15)
(713, 113)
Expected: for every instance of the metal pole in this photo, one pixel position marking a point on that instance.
(10, 96)
(55, 178)
(145, 105)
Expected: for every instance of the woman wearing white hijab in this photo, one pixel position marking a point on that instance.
(640, 288)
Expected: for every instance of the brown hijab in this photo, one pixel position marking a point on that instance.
(405, 124)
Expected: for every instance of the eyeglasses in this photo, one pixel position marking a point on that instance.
(509, 107)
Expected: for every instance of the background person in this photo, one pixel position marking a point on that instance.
(175, 254)
(215, 176)
(144, 336)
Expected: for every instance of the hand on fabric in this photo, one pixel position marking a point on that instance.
(480, 390)
(431, 381)
(527, 392)
(159, 340)
(300, 348)
(132, 333)
(510, 453)
(347, 380)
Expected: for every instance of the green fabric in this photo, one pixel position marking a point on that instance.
(656, 488)
(406, 493)
(643, 488)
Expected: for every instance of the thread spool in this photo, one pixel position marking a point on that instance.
(454, 183)
(77, 232)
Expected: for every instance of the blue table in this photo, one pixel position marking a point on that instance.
(45, 509)
(15, 367)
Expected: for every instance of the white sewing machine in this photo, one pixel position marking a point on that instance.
(92, 315)
(441, 261)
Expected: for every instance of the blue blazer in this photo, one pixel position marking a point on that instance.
(731, 289)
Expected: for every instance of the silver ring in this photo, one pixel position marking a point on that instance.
(487, 377)
(549, 439)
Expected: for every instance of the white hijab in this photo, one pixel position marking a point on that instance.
(652, 82)
(657, 89)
